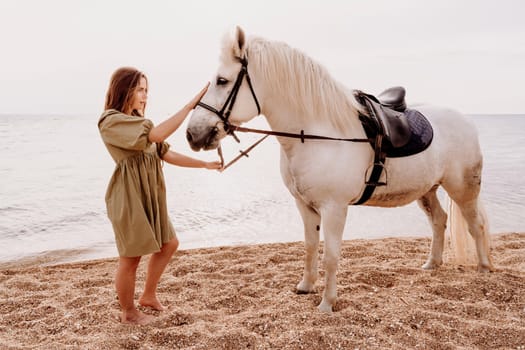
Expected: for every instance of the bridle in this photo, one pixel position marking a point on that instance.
(224, 113)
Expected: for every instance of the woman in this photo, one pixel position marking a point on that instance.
(136, 194)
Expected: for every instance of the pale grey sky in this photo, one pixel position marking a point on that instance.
(57, 55)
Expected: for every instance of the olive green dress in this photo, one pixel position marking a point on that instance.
(136, 194)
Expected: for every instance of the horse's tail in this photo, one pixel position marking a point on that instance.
(461, 242)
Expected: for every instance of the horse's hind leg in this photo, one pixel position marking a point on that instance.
(477, 226)
(465, 193)
(311, 220)
(438, 220)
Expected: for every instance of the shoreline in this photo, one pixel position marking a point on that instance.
(91, 254)
(234, 297)
(79, 255)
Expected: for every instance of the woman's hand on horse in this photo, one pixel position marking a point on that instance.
(193, 103)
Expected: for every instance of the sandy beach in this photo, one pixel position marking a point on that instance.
(243, 298)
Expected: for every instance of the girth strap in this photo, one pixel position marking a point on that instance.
(377, 170)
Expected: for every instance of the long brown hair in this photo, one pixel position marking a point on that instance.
(122, 84)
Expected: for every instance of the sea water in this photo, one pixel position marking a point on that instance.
(54, 171)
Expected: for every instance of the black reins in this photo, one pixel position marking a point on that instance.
(300, 135)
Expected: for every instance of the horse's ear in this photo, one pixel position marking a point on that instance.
(240, 43)
(234, 44)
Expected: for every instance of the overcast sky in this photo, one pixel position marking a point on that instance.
(57, 56)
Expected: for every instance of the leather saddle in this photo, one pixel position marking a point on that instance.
(386, 116)
(395, 131)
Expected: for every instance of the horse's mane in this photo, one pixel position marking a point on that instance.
(307, 85)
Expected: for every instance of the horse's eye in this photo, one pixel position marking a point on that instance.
(222, 81)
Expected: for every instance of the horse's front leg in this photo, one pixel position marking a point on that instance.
(334, 218)
(438, 220)
(311, 220)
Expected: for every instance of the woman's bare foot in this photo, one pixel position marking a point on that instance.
(153, 303)
(135, 317)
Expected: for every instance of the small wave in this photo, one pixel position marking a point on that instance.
(44, 227)
(12, 209)
(50, 257)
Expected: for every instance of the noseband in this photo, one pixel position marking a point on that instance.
(224, 113)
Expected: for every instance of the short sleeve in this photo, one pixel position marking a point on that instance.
(124, 131)
(162, 149)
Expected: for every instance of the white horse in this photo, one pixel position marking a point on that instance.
(294, 93)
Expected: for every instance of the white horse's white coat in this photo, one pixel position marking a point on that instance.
(295, 93)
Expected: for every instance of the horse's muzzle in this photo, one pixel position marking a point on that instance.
(203, 139)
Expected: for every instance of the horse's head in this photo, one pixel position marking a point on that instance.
(230, 98)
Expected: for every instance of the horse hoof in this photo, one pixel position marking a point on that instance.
(325, 307)
(430, 265)
(304, 288)
(486, 268)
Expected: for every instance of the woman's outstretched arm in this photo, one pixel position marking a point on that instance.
(189, 162)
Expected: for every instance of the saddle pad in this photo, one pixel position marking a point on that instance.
(420, 138)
